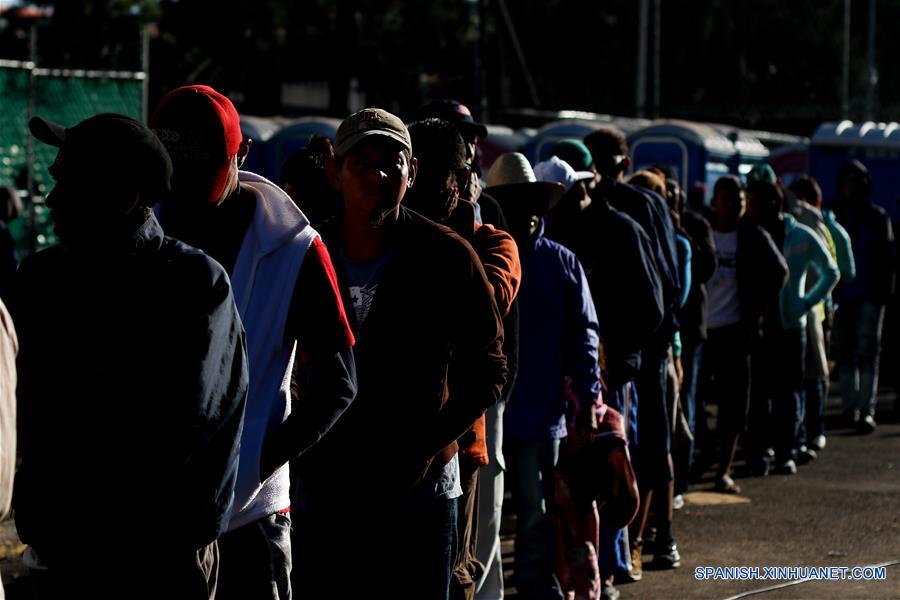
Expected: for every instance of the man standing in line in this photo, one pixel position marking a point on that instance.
(654, 462)
(750, 273)
(441, 156)
(132, 380)
(783, 353)
(286, 292)
(820, 320)
(860, 315)
(617, 257)
(384, 483)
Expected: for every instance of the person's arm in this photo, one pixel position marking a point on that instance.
(209, 373)
(8, 349)
(843, 248)
(820, 261)
(772, 270)
(500, 258)
(582, 341)
(703, 255)
(477, 370)
(684, 261)
(884, 257)
(326, 383)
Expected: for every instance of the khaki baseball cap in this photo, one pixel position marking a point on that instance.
(366, 123)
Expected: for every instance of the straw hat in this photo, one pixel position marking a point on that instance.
(511, 179)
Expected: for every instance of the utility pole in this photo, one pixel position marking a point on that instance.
(640, 92)
(145, 67)
(845, 76)
(520, 54)
(657, 54)
(871, 68)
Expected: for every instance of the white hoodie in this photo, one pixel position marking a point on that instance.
(263, 282)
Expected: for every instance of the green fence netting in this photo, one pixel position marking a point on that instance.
(66, 97)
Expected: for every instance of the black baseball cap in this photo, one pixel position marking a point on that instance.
(454, 112)
(113, 148)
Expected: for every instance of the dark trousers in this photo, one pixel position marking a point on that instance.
(654, 469)
(531, 467)
(468, 570)
(255, 560)
(778, 374)
(725, 380)
(350, 545)
(191, 575)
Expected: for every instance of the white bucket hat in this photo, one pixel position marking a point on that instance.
(512, 177)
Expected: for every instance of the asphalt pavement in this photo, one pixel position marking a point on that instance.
(842, 510)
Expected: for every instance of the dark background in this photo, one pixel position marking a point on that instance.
(764, 64)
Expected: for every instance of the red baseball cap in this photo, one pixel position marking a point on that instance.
(199, 126)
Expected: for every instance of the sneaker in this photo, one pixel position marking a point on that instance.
(806, 455)
(668, 557)
(818, 443)
(609, 592)
(866, 425)
(726, 485)
(637, 550)
(678, 502)
(788, 467)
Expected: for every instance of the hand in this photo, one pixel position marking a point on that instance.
(585, 428)
(472, 188)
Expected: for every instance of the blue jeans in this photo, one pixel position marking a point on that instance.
(433, 543)
(857, 332)
(654, 469)
(690, 363)
(255, 560)
(530, 470)
(812, 423)
(615, 558)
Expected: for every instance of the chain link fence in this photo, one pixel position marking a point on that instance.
(66, 97)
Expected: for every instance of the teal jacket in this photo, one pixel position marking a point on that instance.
(804, 250)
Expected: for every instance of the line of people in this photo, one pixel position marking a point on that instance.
(327, 389)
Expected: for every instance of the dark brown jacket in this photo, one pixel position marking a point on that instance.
(429, 363)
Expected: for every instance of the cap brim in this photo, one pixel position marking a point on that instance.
(543, 195)
(582, 175)
(47, 131)
(478, 129)
(349, 144)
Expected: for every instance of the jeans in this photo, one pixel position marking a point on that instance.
(615, 559)
(691, 358)
(531, 469)
(433, 544)
(490, 508)
(653, 465)
(857, 331)
(255, 560)
(812, 423)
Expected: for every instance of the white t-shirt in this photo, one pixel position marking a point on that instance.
(724, 302)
